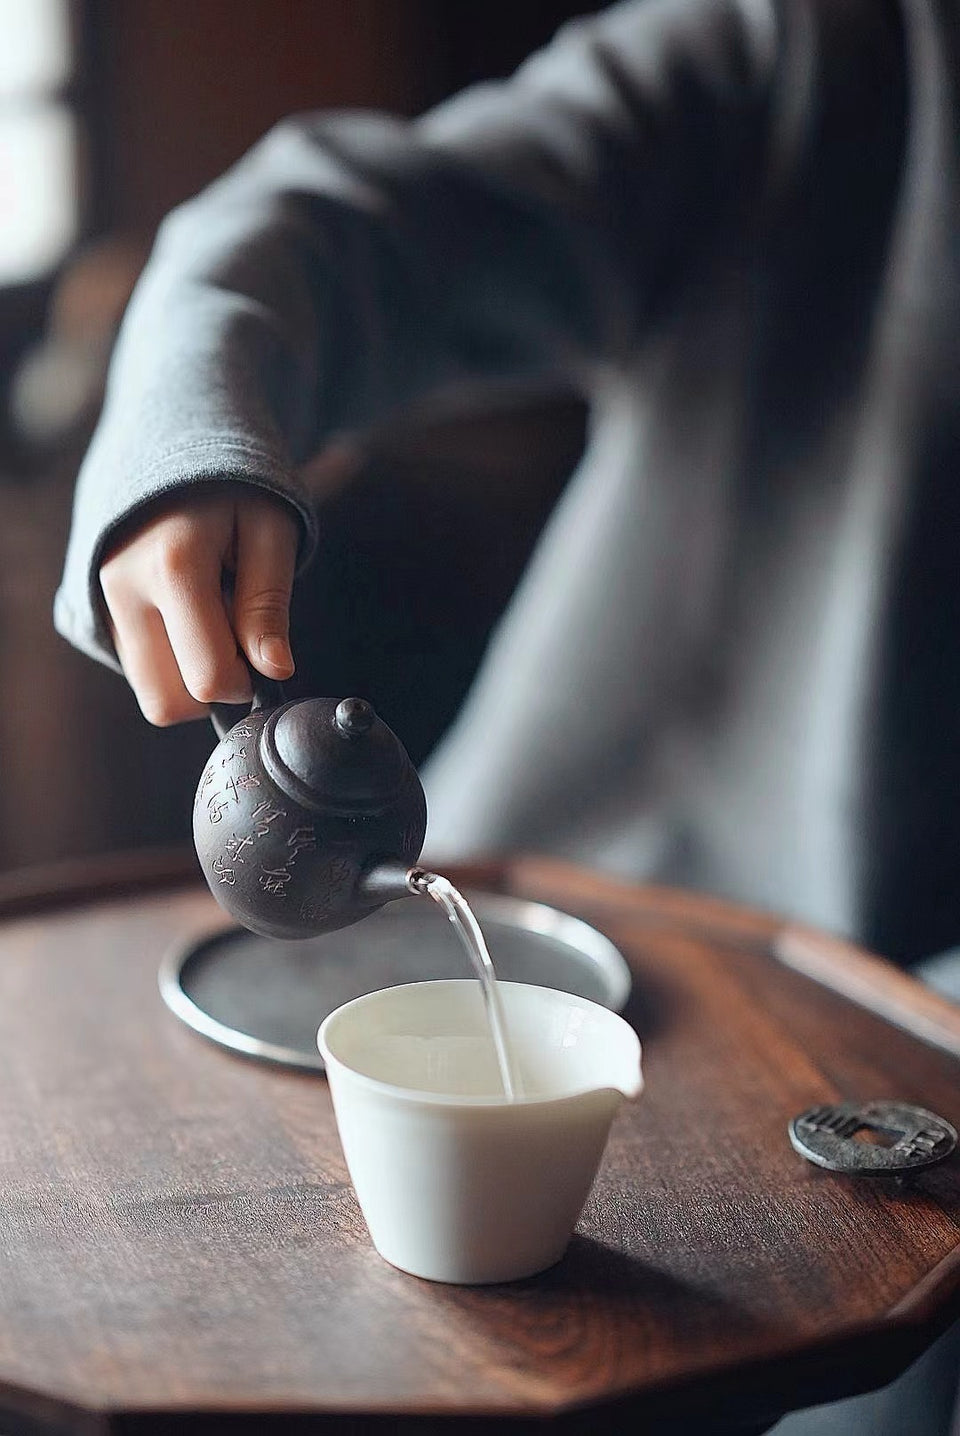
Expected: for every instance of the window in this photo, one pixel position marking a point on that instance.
(39, 140)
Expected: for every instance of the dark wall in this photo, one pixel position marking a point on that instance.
(181, 88)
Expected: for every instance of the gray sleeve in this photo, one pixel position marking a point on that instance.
(353, 264)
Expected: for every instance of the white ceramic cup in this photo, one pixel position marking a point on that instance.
(456, 1182)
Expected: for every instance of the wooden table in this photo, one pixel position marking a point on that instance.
(180, 1249)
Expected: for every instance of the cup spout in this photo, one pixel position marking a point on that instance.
(630, 1079)
(625, 1074)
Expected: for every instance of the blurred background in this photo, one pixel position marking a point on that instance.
(111, 112)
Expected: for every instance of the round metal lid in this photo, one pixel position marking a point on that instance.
(266, 998)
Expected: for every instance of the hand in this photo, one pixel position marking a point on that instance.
(179, 637)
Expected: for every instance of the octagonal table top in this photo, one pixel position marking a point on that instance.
(182, 1250)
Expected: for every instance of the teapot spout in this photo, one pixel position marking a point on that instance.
(385, 881)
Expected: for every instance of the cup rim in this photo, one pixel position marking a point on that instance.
(486, 1101)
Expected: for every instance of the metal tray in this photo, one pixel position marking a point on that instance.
(266, 998)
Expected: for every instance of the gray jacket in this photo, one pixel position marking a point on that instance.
(733, 225)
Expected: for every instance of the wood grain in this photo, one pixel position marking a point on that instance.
(871, 983)
(182, 1251)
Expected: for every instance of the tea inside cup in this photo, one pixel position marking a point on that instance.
(456, 1181)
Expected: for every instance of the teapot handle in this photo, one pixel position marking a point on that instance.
(267, 693)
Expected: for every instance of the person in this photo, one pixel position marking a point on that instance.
(732, 225)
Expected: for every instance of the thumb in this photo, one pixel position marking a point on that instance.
(267, 537)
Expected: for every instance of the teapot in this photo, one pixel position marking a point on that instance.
(309, 814)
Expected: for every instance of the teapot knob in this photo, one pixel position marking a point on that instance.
(354, 717)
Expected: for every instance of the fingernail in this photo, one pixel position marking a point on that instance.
(276, 652)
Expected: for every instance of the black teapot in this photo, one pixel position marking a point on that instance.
(309, 814)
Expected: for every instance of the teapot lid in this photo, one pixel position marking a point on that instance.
(338, 756)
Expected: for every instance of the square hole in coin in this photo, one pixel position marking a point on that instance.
(877, 1136)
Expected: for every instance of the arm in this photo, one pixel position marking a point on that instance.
(351, 265)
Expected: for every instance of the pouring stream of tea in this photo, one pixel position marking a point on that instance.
(465, 924)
